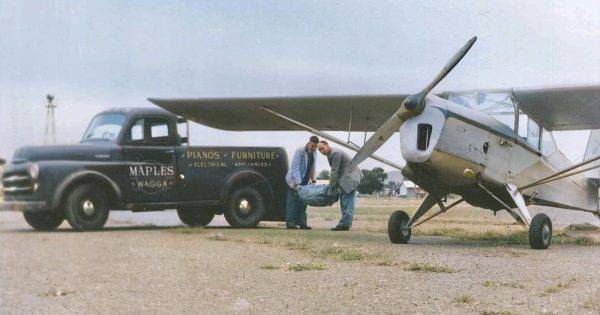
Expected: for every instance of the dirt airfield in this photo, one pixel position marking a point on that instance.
(464, 262)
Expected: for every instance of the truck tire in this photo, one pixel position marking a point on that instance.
(196, 217)
(245, 208)
(87, 208)
(44, 220)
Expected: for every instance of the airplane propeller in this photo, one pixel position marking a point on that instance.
(412, 106)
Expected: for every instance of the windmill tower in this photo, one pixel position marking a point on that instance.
(50, 131)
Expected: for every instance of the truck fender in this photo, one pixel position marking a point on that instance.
(250, 178)
(86, 176)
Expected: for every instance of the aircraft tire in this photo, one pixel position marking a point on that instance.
(540, 231)
(397, 230)
(87, 208)
(44, 220)
(245, 208)
(196, 217)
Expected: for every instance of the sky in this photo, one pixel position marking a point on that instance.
(95, 55)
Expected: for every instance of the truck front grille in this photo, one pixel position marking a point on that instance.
(17, 183)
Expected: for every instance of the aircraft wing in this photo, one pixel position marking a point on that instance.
(326, 113)
(562, 108)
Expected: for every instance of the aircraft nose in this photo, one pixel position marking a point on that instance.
(421, 134)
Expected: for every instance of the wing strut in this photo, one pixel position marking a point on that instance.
(556, 176)
(331, 138)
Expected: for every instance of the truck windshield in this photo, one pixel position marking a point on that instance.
(104, 127)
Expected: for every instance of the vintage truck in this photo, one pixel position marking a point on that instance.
(136, 159)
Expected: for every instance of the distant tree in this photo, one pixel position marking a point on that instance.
(323, 175)
(372, 180)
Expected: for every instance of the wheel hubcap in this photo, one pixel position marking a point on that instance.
(404, 228)
(88, 207)
(546, 234)
(244, 207)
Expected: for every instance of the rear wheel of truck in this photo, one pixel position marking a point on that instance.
(44, 220)
(196, 217)
(87, 208)
(245, 208)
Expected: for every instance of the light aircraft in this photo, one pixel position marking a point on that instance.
(493, 148)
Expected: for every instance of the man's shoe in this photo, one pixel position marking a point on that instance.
(305, 227)
(291, 227)
(340, 228)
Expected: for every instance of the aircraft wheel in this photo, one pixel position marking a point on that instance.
(44, 220)
(398, 230)
(87, 208)
(196, 217)
(540, 231)
(245, 208)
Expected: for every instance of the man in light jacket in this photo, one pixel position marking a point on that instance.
(344, 178)
(301, 172)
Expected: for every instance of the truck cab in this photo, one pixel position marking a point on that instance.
(135, 159)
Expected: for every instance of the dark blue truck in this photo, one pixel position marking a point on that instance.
(135, 159)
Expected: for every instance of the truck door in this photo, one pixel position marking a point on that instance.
(149, 152)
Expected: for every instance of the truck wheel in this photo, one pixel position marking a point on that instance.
(196, 217)
(87, 208)
(398, 230)
(540, 231)
(44, 220)
(245, 208)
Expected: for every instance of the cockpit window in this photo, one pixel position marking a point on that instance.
(548, 144)
(529, 130)
(499, 105)
(104, 127)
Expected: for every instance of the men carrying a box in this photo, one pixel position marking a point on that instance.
(344, 178)
(301, 172)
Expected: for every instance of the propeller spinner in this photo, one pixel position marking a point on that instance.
(411, 106)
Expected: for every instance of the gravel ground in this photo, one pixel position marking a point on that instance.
(134, 268)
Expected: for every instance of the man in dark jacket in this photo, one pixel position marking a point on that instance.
(345, 178)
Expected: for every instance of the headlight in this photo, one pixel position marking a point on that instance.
(33, 170)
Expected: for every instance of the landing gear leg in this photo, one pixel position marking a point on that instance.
(400, 226)
(539, 228)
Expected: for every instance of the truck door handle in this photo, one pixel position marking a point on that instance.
(170, 151)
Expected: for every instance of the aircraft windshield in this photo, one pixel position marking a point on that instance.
(104, 127)
(499, 105)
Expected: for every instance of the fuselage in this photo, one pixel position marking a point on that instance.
(454, 148)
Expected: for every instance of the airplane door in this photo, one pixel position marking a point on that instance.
(527, 154)
(499, 150)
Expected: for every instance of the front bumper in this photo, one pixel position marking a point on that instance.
(23, 206)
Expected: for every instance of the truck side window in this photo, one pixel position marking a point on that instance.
(150, 131)
(159, 131)
(136, 134)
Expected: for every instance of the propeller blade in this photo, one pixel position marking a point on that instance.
(379, 138)
(451, 64)
(412, 106)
